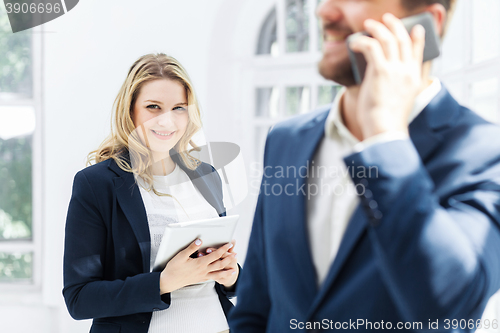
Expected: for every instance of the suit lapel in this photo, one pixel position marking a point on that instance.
(304, 147)
(425, 130)
(130, 201)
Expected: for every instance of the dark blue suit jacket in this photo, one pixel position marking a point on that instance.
(107, 248)
(424, 244)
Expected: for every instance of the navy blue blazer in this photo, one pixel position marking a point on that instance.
(424, 243)
(107, 248)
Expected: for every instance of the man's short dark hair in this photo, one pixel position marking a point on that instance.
(413, 4)
(449, 5)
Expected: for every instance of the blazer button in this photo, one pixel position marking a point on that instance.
(359, 191)
(377, 214)
(373, 204)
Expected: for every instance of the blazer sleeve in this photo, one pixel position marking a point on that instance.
(438, 254)
(86, 292)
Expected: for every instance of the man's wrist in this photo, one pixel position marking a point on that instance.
(381, 138)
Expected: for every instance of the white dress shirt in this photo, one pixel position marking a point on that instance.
(332, 195)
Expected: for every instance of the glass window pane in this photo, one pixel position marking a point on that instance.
(267, 102)
(326, 94)
(297, 26)
(16, 127)
(297, 100)
(15, 61)
(484, 99)
(268, 40)
(454, 51)
(260, 140)
(486, 29)
(15, 266)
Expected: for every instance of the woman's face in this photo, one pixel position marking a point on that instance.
(160, 114)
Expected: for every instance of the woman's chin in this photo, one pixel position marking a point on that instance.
(160, 154)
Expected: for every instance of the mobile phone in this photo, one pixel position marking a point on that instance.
(431, 50)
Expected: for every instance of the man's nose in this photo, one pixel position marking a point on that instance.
(329, 10)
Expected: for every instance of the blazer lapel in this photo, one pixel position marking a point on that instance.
(425, 130)
(307, 141)
(130, 201)
(206, 180)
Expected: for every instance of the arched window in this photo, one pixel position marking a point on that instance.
(268, 40)
(286, 80)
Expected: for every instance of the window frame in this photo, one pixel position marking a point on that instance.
(35, 244)
(470, 72)
(284, 69)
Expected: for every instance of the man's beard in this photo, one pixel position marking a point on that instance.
(340, 73)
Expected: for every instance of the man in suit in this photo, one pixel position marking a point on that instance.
(395, 224)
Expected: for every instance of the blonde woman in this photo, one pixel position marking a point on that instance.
(143, 179)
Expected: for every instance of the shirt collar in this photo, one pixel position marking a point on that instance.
(335, 125)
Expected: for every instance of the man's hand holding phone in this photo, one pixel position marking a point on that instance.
(393, 76)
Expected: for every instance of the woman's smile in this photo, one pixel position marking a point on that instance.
(163, 135)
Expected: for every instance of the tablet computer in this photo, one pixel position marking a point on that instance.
(213, 232)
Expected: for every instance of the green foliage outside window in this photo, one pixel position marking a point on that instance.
(16, 84)
(15, 191)
(15, 266)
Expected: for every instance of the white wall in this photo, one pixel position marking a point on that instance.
(230, 89)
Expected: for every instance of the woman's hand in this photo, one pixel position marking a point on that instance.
(182, 270)
(226, 281)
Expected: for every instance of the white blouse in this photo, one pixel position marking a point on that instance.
(194, 308)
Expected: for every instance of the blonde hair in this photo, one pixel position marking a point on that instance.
(124, 139)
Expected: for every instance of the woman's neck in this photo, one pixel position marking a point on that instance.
(163, 165)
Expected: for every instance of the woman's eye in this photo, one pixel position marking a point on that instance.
(179, 108)
(153, 106)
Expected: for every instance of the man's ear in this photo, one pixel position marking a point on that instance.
(440, 17)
